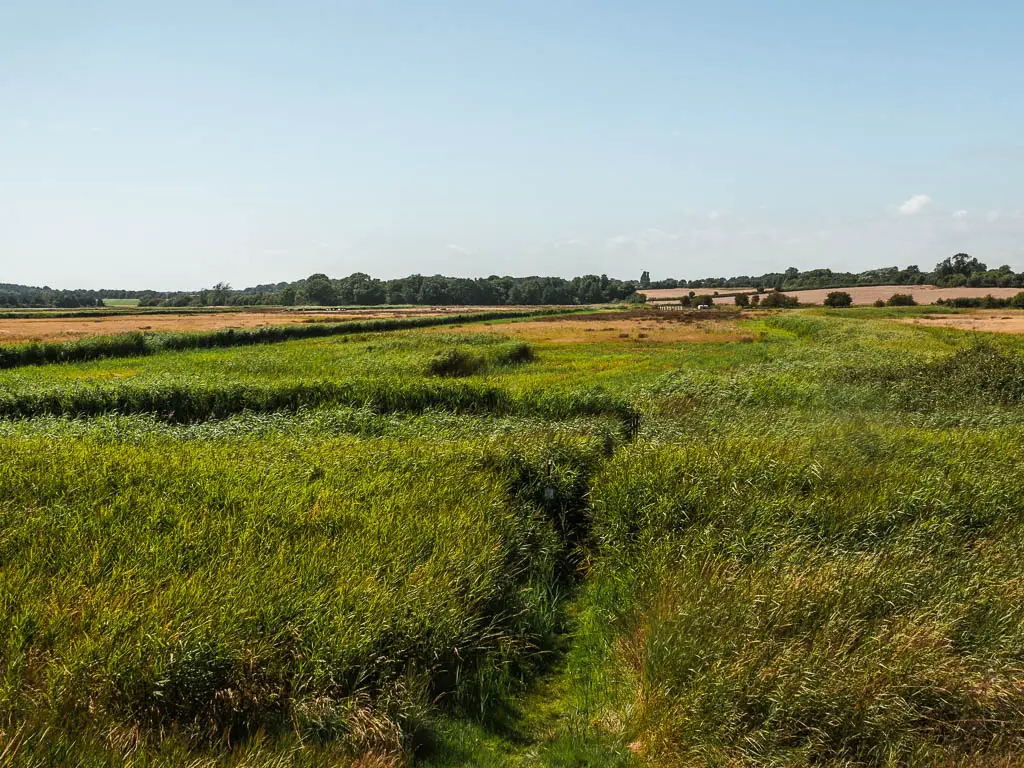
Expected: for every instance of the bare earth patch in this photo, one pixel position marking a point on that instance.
(990, 320)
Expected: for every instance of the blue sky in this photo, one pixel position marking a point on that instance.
(174, 145)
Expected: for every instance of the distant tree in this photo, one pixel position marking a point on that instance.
(755, 300)
(742, 300)
(1018, 301)
(838, 299)
(960, 264)
(218, 295)
(779, 300)
(901, 300)
(879, 302)
(635, 298)
(645, 279)
(705, 298)
(318, 290)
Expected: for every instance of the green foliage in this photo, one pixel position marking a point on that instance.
(838, 299)
(777, 300)
(901, 300)
(137, 344)
(799, 550)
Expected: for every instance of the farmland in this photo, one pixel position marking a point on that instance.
(46, 326)
(923, 294)
(616, 537)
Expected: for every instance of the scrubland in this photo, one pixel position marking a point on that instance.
(792, 539)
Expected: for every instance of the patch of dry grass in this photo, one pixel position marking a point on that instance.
(651, 327)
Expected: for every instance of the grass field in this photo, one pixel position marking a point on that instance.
(120, 302)
(621, 539)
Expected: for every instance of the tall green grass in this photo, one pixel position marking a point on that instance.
(802, 550)
(202, 594)
(843, 599)
(138, 344)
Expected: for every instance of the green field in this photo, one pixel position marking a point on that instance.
(462, 546)
(120, 302)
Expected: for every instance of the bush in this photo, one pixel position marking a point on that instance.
(901, 300)
(742, 300)
(454, 363)
(838, 299)
(879, 303)
(696, 301)
(779, 300)
(520, 352)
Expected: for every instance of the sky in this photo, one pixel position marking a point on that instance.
(174, 145)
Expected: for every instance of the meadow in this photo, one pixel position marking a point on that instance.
(610, 538)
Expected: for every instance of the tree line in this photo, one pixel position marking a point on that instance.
(953, 272)
(362, 289)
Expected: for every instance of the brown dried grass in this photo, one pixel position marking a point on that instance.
(634, 328)
(988, 320)
(923, 294)
(26, 330)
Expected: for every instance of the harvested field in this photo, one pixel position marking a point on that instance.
(61, 329)
(923, 294)
(990, 320)
(36, 329)
(623, 327)
(666, 294)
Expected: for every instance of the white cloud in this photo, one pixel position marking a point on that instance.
(992, 217)
(459, 249)
(915, 204)
(961, 214)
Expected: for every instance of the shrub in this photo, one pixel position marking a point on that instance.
(453, 363)
(901, 300)
(755, 300)
(838, 299)
(879, 303)
(520, 352)
(696, 301)
(779, 300)
(742, 300)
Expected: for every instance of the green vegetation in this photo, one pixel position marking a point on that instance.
(901, 300)
(120, 302)
(838, 299)
(137, 344)
(361, 289)
(457, 547)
